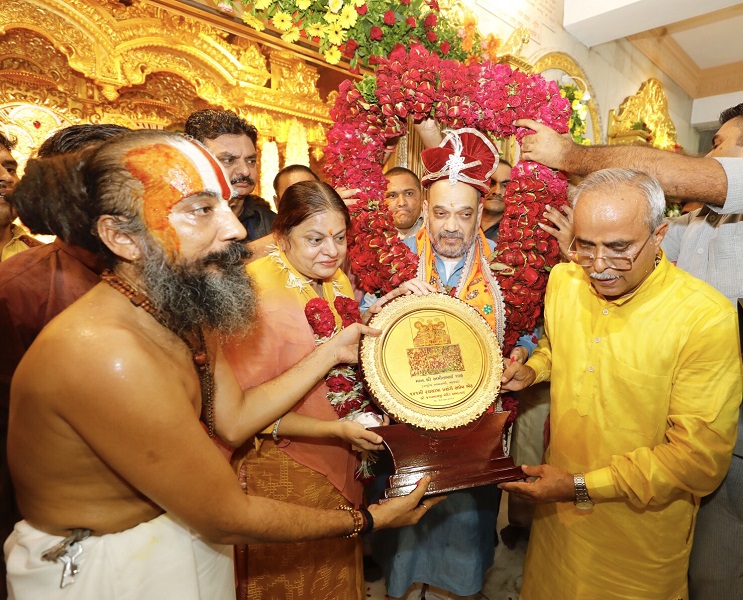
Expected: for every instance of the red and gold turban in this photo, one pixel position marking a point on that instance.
(465, 155)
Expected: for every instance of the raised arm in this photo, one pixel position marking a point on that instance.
(680, 176)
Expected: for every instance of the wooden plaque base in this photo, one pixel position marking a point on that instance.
(455, 459)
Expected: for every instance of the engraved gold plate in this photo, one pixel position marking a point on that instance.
(437, 364)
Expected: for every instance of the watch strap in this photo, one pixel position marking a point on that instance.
(581, 491)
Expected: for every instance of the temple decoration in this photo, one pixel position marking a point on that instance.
(297, 150)
(510, 51)
(556, 66)
(269, 168)
(65, 62)
(644, 119)
(359, 31)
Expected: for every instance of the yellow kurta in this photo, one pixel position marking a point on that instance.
(644, 399)
(20, 241)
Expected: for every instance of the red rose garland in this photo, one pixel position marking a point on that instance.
(345, 392)
(488, 96)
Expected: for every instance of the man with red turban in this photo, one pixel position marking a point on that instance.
(455, 548)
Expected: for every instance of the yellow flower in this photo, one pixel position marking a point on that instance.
(358, 3)
(303, 4)
(262, 4)
(335, 6)
(330, 17)
(251, 21)
(336, 34)
(332, 56)
(348, 17)
(315, 30)
(282, 21)
(291, 36)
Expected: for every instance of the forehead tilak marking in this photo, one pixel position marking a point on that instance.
(224, 186)
(167, 176)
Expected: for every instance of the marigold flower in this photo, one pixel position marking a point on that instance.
(290, 36)
(282, 21)
(333, 55)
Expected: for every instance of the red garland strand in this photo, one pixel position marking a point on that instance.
(488, 96)
(345, 392)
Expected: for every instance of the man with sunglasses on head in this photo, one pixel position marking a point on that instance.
(645, 378)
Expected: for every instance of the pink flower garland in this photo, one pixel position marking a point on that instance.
(488, 96)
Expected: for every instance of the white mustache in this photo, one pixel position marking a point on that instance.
(603, 276)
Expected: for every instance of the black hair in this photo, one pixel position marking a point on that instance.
(77, 137)
(79, 188)
(210, 124)
(288, 170)
(6, 143)
(731, 113)
(404, 171)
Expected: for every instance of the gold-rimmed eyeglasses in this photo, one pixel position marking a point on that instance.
(617, 262)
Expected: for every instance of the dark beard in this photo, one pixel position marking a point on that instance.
(214, 292)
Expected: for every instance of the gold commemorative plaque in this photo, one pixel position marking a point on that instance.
(437, 364)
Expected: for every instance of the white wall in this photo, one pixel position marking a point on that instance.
(615, 70)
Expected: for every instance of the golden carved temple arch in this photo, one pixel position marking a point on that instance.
(64, 62)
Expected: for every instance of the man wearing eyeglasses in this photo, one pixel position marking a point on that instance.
(708, 243)
(645, 385)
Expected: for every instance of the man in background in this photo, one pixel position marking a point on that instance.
(13, 238)
(404, 198)
(494, 203)
(233, 141)
(290, 175)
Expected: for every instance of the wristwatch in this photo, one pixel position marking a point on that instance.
(582, 499)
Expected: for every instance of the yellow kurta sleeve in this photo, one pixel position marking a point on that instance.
(702, 425)
(541, 360)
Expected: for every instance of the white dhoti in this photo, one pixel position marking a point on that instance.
(156, 560)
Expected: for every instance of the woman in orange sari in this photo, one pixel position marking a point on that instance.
(306, 457)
